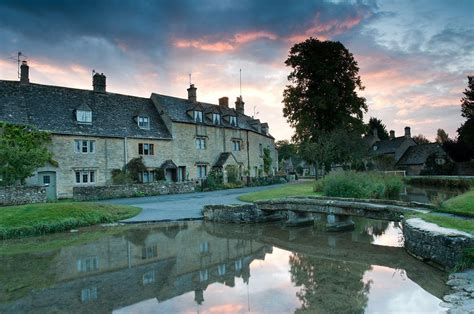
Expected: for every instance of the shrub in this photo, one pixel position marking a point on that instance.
(232, 174)
(159, 174)
(120, 177)
(359, 185)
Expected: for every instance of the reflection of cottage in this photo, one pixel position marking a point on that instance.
(95, 132)
(415, 158)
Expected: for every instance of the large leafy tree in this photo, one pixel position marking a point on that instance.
(322, 94)
(377, 124)
(22, 150)
(466, 131)
(286, 150)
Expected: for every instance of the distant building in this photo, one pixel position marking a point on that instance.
(415, 158)
(95, 132)
(393, 148)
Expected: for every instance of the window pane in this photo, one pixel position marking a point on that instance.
(77, 145)
(92, 176)
(91, 146)
(78, 177)
(84, 177)
(140, 148)
(151, 149)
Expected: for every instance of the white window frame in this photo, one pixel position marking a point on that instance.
(216, 118)
(236, 146)
(233, 120)
(200, 143)
(90, 175)
(201, 171)
(143, 122)
(147, 176)
(87, 145)
(197, 116)
(84, 116)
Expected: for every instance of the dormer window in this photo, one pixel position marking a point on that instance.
(216, 118)
(84, 116)
(197, 116)
(233, 120)
(143, 122)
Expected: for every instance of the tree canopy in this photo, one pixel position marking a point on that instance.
(286, 150)
(322, 93)
(420, 139)
(466, 131)
(376, 124)
(441, 136)
(23, 149)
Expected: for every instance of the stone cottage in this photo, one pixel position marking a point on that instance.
(415, 158)
(96, 131)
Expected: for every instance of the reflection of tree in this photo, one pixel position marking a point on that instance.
(329, 286)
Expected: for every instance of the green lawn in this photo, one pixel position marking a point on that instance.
(460, 205)
(285, 190)
(466, 225)
(36, 219)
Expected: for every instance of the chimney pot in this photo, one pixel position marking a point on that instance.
(24, 73)
(224, 102)
(407, 131)
(98, 82)
(239, 105)
(192, 93)
(392, 134)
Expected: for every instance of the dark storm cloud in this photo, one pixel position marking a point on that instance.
(153, 23)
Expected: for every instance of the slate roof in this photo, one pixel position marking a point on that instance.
(177, 109)
(168, 164)
(417, 155)
(387, 146)
(51, 108)
(223, 157)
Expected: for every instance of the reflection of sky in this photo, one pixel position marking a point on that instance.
(391, 237)
(392, 292)
(271, 291)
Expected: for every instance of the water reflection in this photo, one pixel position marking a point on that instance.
(427, 194)
(206, 267)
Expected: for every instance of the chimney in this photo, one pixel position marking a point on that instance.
(192, 93)
(224, 102)
(392, 134)
(239, 105)
(375, 132)
(98, 82)
(24, 73)
(407, 131)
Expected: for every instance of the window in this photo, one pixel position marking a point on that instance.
(84, 146)
(85, 176)
(88, 294)
(440, 161)
(200, 143)
(204, 247)
(203, 275)
(146, 176)
(149, 252)
(143, 122)
(197, 116)
(216, 118)
(149, 277)
(87, 264)
(238, 265)
(221, 269)
(233, 120)
(201, 171)
(145, 149)
(236, 146)
(84, 116)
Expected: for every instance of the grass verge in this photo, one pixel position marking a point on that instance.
(460, 205)
(37, 219)
(285, 190)
(461, 224)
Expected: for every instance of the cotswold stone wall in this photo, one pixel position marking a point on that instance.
(18, 195)
(237, 213)
(91, 193)
(440, 246)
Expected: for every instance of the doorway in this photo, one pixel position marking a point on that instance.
(48, 180)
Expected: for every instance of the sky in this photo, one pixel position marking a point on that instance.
(414, 56)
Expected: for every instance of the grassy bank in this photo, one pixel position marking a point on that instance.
(460, 205)
(461, 224)
(36, 219)
(284, 190)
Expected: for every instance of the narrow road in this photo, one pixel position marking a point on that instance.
(182, 206)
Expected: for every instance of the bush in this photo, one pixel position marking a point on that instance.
(120, 177)
(359, 185)
(232, 174)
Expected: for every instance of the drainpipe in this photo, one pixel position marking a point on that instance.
(125, 153)
(248, 158)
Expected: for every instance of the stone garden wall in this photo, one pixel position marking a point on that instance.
(440, 246)
(245, 213)
(19, 195)
(91, 193)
